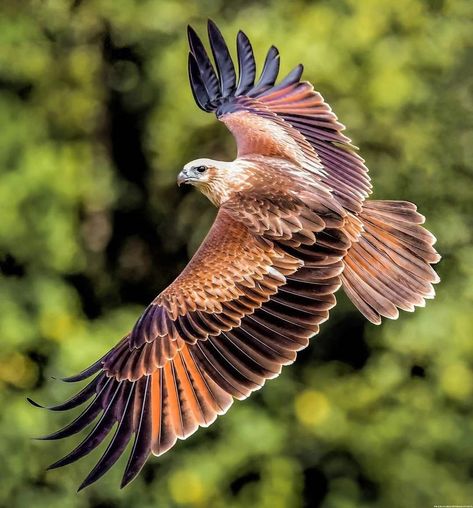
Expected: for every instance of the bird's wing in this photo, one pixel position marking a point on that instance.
(250, 298)
(241, 310)
(289, 119)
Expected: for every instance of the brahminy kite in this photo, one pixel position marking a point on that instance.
(293, 226)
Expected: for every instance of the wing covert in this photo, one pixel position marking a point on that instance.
(232, 273)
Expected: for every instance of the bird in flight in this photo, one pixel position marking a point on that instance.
(294, 225)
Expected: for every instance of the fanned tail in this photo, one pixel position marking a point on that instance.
(389, 267)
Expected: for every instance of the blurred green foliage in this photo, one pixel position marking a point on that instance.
(97, 119)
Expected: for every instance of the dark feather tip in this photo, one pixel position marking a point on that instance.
(94, 368)
(55, 465)
(35, 404)
(82, 486)
(126, 480)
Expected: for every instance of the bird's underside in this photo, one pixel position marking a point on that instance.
(293, 226)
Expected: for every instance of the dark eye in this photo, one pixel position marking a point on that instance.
(200, 169)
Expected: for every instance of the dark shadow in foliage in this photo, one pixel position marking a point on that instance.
(133, 219)
(418, 371)
(340, 339)
(10, 267)
(342, 464)
(243, 480)
(315, 487)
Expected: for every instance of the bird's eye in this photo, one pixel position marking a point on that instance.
(200, 169)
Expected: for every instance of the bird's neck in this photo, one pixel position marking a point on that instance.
(235, 177)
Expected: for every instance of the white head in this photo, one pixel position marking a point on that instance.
(215, 179)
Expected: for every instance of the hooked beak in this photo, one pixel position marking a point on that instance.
(182, 177)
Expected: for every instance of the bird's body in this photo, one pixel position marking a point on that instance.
(293, 226)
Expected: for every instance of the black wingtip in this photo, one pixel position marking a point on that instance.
(41, 438)
(277, 55)
(130, 476)
(44, 438)
(241, 35)
(213, 30)
(191, 37)
(133, 467)
(199, 92)
(135, 464)
(269, 73)
(34, 404)
(223, 60)
(211, 23)
(126, 480)
(54, 465)
(118, 443)
(214, 85)
(87, 482)
(91, 478)
(131, 473)
(142, 444)
(79, 398)
(246, 64)
(299, 69)
(89, 371)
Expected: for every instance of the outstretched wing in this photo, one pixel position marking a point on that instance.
(289, 119)
(249, 299)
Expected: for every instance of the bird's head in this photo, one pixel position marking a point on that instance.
(215, 179)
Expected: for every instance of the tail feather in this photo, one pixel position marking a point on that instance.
(388, 268)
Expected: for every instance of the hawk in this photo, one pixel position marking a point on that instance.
(293, 226)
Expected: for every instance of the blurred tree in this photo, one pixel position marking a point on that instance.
(98, 119)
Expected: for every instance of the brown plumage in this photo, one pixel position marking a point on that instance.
(292, 228)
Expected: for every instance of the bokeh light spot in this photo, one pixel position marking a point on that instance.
(312, 407)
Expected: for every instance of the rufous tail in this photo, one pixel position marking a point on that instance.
(389, 267)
